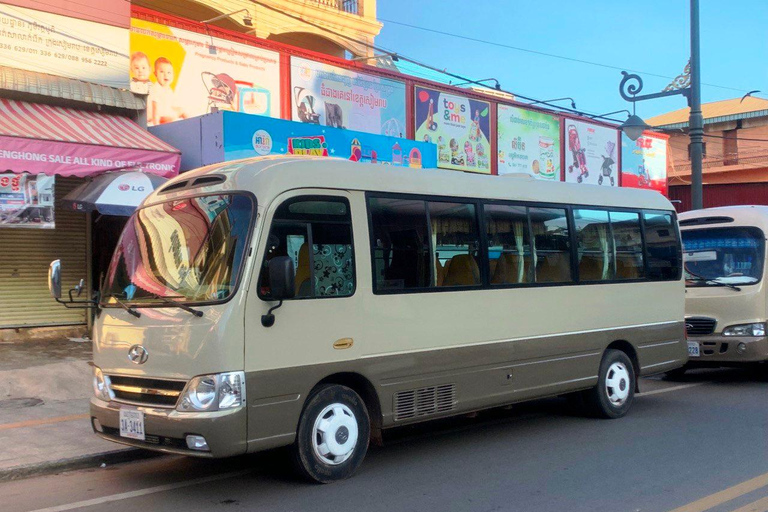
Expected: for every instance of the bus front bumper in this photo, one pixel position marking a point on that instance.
(729, 350)
(166, 430)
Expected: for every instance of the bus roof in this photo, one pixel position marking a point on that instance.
(270, 176)
(741, 215)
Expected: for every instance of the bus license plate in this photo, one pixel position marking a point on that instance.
(132, 424)
(693, 349)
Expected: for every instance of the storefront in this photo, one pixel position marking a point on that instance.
(45, 152)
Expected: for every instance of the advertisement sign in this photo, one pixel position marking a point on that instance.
(186, 74)
(528, 142)
(460, 127)
(326, 95)
(590, 154)
(26, 201)
(644, 162)
(247, 136)
(59, 45)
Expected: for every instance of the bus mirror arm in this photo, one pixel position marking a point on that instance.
(268, 320)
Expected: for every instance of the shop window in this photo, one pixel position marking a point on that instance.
(551, 245)
(595, 245)
(510, 259)
(663, 250)
(400, 238)
(316, 233)
(456, 244)
(628, 241)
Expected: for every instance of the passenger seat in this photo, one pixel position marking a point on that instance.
(303, 274)
(462, 271)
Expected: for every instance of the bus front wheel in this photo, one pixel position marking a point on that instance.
(615, 390)
(334, 431)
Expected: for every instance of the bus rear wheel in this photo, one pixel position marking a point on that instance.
(334, 431)
(615, 390)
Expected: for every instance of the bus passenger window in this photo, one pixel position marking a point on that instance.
(400, 243)
(317, 234)
(551, 245)
(456, 244)
(595, 250)
(509, 244)
(662, 246)
(628, 240)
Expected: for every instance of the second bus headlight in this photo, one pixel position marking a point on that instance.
(757, 329)
(214, 392)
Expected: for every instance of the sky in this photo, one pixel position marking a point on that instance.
(645, 36)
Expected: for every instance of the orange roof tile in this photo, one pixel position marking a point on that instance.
(711, 110)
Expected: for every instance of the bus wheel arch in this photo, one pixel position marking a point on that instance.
(628, 349)
(363, 387)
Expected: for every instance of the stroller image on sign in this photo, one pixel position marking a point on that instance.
(222, 91)
(643, 178)
(606, 170)
(579, 156)
(305, 106)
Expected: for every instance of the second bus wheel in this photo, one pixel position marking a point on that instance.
(615, 390)
(333, 435)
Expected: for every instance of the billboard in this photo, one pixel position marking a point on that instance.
(590, 153)
(186, 74)
(528, 142)
(26, 201)
(460, 127)
(248, 136)
(644, 162)
(327, 95)
(58, 45)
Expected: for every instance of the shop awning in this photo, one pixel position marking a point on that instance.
(44, 139)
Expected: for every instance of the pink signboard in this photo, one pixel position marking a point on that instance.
(70, 159)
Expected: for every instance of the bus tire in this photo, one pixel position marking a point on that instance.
(612, 396)
(333, 435)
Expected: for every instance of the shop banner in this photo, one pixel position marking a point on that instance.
(331, 96)
(460, 127)
(26, 201)
(69, 159)
(58, 45)
(248, 136)
(186, 74)
(590, 154)
(528, 142)
(644, 162)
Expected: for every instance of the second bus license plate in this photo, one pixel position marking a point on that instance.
(693, 349)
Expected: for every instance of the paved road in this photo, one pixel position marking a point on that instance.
(698, 444)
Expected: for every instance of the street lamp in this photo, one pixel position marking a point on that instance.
(687, 84)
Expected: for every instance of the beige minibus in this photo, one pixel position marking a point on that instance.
(725, 299)
(315, 302)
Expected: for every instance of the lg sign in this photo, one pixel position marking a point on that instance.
(125, 188)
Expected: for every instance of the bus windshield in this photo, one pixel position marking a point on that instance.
(188, 250)
(723, 256)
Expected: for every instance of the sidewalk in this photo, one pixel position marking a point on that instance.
(45, 387)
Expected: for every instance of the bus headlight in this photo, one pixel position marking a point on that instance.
(101, 385)
(214, 392)
(745, 330)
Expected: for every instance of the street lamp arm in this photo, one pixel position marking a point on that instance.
(632, 84)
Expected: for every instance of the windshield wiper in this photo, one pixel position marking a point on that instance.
(169, 302)
(123, 305)
(696, 277)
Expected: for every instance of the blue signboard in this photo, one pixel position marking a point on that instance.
(247, 135)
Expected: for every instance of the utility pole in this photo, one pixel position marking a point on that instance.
(696, 121)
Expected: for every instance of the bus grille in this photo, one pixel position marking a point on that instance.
(141, 391)
(425, 401)
(697, 326)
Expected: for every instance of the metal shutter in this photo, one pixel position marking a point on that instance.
(24, 258)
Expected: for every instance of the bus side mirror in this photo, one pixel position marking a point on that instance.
(282, 278)
(54, 279)
(282, 285)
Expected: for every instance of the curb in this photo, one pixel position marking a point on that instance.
(93, 460)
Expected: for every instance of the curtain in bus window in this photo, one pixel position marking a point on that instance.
(551, 245)
(508, 243)
(401, 255)
(595, 247)
(628, 241)
(456, 243)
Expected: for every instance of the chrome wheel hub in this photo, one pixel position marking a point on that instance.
(334, 434)
(617, 383)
